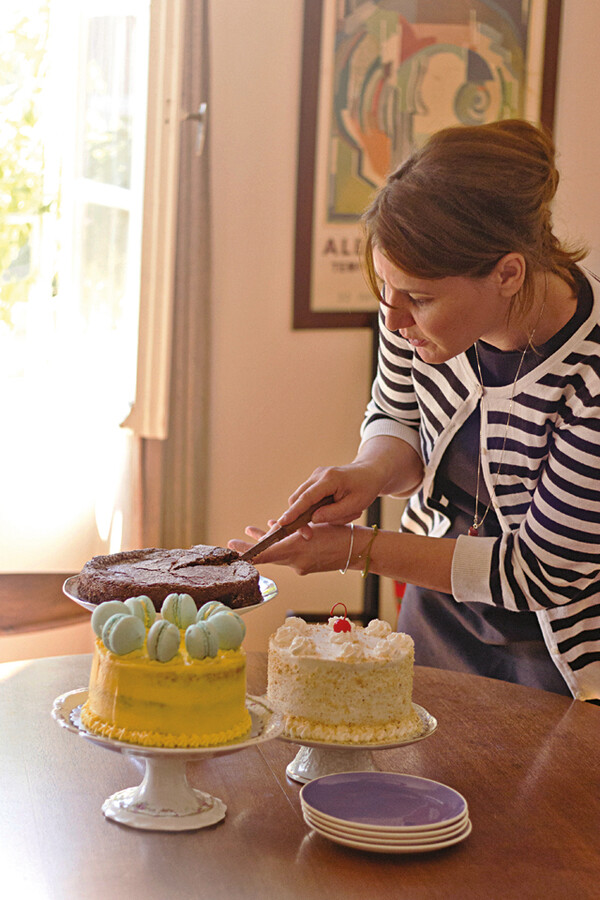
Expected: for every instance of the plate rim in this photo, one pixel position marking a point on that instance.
(261, 715)
(267, 587)
(398, 848)
(429, 722)
(369, 776)
(401, 833)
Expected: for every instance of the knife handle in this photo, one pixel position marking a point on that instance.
(285, 530)
(306, 516)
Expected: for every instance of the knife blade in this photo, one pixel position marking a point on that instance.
(285, 530)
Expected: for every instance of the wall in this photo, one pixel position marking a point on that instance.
(286, 401)
(577, 126)
(48, 642)
(283, 401)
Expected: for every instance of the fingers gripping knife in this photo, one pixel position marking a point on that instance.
(285, 530)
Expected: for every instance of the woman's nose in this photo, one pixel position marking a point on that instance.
(397, 314)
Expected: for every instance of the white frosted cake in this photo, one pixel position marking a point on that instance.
(339, 682)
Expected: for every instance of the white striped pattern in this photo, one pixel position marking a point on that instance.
(548, 491)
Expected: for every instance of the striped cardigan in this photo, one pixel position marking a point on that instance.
(547, 496)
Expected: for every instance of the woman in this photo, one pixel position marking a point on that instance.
(485, 412)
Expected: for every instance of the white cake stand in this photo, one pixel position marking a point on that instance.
(318, 758)
(268, 590)
(165, 801)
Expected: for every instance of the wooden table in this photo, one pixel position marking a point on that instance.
(527, 761)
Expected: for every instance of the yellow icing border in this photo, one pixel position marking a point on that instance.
(97, 725)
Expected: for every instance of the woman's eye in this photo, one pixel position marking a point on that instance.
(414, 300)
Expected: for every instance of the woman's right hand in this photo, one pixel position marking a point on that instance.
(354, 487)
(383, 465)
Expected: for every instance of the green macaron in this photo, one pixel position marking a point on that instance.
(230, 629)
(163, 641)
(104, 611)
(180, 609)
(123, 634)
(143, 608)
(201, 640)
(209, 609)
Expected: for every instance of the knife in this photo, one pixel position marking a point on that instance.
(285, 530)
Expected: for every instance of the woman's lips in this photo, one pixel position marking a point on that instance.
(414, 342)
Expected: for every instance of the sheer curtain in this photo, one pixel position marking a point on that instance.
(174, 471)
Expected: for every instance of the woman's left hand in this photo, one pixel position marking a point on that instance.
(316, 548)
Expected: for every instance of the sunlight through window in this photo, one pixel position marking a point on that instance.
(72, 149)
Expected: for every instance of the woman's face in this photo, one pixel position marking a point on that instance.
(442, 317)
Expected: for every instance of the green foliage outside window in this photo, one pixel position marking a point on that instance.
(22, 199)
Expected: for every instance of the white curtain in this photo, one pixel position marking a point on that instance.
(174, 471)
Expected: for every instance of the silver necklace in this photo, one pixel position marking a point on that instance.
(477, 520)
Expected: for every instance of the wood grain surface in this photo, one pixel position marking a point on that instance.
(526, 760)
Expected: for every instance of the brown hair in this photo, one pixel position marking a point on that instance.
(470, 195)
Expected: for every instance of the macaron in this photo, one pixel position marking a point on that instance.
(180, 609)
(230, 628)
(209, 609)
(201, 640)
(123, 634)
(163, 641)
(104, 611)
(143, 608)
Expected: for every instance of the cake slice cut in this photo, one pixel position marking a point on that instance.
(204, 572)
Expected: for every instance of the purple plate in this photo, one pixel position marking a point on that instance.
(384, 799)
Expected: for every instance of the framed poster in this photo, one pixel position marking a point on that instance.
(378, 77)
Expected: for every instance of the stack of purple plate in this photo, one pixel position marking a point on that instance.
(384, 812)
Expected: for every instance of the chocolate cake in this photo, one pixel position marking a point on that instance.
(204, 572)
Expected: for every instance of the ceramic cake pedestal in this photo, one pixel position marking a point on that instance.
(314, 762)
(165, 801)
(317, 758)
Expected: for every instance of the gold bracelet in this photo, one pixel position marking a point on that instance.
(365, 571)
(345, 569)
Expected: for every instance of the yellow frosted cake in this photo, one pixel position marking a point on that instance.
(342, 683)
(178, 680)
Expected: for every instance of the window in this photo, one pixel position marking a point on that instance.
(73, 103)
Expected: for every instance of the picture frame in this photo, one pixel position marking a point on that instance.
(379, 76)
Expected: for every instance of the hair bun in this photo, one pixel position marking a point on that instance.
(466, 197)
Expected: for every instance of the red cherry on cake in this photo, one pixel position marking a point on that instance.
(341, 624)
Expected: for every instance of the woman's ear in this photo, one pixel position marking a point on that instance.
(509, 273)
